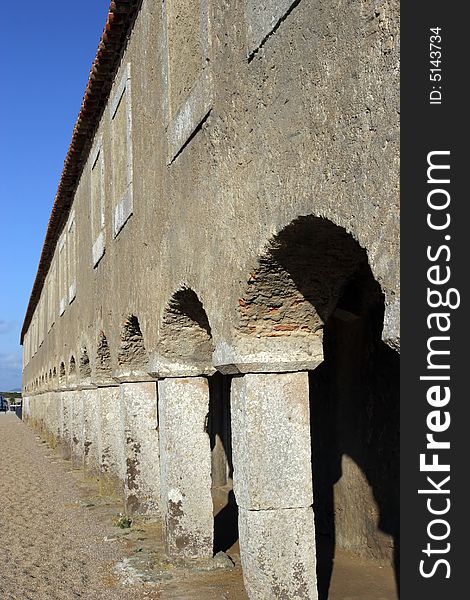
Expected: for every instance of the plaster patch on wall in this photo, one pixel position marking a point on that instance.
(97, 200)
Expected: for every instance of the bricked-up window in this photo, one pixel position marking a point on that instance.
(121, 152)
(35, 334)
(71, 259)
(186, 70)
(97, 202)
(62, 275)
(51, 295)
(26, 349)
(41, 325)
(184, 48)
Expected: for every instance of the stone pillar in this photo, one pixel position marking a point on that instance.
(142, 481)
(91, 429)
(56, 417)
(65, 424)
(77, 448)
(273, 484)
(45, 413)
(112, 460)
(26, 409)
(185, 462)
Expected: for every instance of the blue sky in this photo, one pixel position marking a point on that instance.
(47, 51)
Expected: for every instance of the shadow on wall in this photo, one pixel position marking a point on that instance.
(315, 280)
(354, 399)
(219, 429)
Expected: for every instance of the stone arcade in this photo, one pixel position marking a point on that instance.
(215, 311)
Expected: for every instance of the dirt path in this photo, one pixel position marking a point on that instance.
(57, 541)
(51, 546)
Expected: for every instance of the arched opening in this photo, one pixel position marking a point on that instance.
(186, 343)
(62, 372)
(72, 369)
(84, 364)
(103, 358)
(132, 350)
(314, 287)
(185, 333)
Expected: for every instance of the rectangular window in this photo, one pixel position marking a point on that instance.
(52, 298)
(40, 310)
(121, 153)
(97, 202)
(188, 98)
(26, 349)
(62, 275)
(71, 259)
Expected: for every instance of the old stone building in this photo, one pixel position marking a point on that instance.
(217, 295)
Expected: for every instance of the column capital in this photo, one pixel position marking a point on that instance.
(129, 375)
(162, 367)
(283, 354)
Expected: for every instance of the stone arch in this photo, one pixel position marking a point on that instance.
(185, 340)
(312, 304)
(296, 285)
(62, 372)
(184, 359)
(84, 365)
(72, 368)
(132, 349)
(103, 357)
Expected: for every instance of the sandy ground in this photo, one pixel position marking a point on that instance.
(51, 546)
(57, 540)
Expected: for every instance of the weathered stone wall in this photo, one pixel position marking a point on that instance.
(308, 126)
(236, 206)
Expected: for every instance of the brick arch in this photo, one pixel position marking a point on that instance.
(132, 352)
(185, 332)
(84, 364)
(299, 279)
(72, 367)
(62, 372)
(103, 357)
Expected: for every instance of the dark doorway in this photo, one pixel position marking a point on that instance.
(225, 506)
(354, 398)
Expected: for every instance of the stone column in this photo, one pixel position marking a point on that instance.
(185, 462)
(77, 447)
(65, 423)
(273, 484)
(142, 481)
(91, 429)
(56, 417)
(26, 409)
(112, 459)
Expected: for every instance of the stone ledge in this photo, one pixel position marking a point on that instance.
(269, 354)
(160, 367)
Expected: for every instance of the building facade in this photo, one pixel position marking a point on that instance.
(217, 297)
